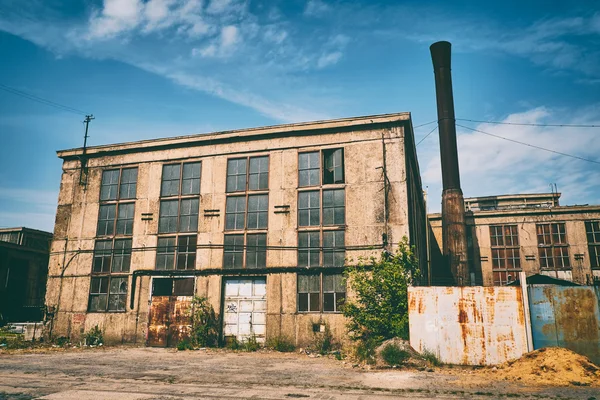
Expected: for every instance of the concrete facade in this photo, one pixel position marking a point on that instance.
(382, 203)
(577, 248)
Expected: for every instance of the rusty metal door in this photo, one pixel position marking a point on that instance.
(169, 319)
(566, 316)
(245, 308)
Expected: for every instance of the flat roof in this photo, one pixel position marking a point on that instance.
(24, 229)
(514, 197)
(239, 134)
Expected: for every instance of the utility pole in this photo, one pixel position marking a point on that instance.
(84, 170)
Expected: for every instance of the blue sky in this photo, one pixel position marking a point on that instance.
(156, 68)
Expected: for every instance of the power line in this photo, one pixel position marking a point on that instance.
(530, 124)
(428, 123)
(530, 145)
(41, 100)
(430, 132)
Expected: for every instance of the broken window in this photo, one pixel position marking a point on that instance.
(321, 292)
(179, 209)
(506, 260)
(553, 248)
(592, 229)
(246, 212)
(333, 166)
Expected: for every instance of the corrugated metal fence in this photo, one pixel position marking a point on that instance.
(468, 325)
(486, 325)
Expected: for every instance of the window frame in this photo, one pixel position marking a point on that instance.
(322, 160)
(501, 251)
(113, 236)
(548, 251)
(245, 230)
(245, 247)
(177, 234)
(592, 229)
(338, 308)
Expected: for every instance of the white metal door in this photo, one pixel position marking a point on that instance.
(245, 308)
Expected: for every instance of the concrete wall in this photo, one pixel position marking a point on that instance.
(468, 325)
(573, 217)
(77, 216)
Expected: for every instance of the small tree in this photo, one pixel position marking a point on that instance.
(380, 308)
(205, 325)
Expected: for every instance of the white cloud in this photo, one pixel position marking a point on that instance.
(229, 36)
(491, 166)
(329, 59)
(316, 8)
(116, 16)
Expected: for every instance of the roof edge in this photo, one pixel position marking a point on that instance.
(149, 144)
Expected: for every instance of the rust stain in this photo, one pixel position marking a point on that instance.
(576, 315)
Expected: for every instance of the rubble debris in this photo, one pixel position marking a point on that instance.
(554, 366)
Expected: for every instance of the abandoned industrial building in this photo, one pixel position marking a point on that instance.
(259, 221)
(507, 234)
(23, 271)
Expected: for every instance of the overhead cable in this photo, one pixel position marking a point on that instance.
(41, 100)
(530, 145)
(425, 137)
(530, 124)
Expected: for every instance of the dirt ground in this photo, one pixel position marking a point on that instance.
(150, 373)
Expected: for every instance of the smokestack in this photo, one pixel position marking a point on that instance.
(454, 232)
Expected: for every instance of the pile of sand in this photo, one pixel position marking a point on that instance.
(550, 366)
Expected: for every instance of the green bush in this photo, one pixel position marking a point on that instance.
(431, 357)
(380, 307)
(94, 337)
(205, 324)
(366, 350)
(394, 355)
(185, 344)
(250, 344)
(61, 341)
(323, 342)
(280, 343)
(232, 343)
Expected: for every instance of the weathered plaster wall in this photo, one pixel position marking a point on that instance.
(77, 217)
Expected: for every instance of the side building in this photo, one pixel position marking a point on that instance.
(24, 256)
(507, 234)
(259, 221)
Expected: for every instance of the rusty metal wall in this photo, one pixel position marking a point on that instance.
(468, 325)
(566, 316)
